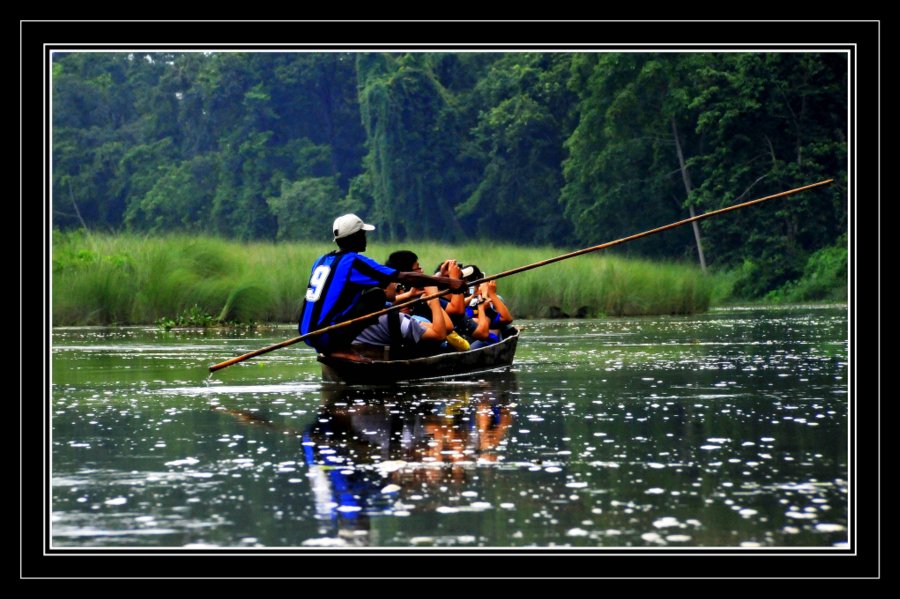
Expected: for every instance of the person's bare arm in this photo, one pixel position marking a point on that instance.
(438, 329)
(448, 323)
(408, 295)
(483, 330)
(490, 292)
(457, 304)
(414, 279)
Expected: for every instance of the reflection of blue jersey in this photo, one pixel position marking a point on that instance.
(335, 285)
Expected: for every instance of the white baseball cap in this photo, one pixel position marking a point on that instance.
(349, 224)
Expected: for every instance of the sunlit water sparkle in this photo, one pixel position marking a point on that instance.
(727, 429)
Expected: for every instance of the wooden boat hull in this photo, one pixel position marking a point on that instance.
(454, 364)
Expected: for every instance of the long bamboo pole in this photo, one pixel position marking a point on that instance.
(513, 271)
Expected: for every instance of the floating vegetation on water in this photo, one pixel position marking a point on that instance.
(195, 317)
(192, 317)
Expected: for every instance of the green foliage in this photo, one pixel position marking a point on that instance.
(824, 278)
(565, 149)
(749, 125)
(520, 142)
(773, 122)
(245, 303)
(192, 317)
(164, 142)
(304, 207)
(623, 174)
(413, 141)
(178, 281)
(177, 200)
(592, 285)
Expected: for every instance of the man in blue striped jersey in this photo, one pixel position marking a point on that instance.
(344, 285)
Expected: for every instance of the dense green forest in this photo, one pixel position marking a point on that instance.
(562, 149)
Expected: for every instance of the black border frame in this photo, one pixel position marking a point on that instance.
(860, 38)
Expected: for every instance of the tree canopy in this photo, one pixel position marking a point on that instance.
(570, 149)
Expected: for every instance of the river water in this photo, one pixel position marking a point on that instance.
(726, 429)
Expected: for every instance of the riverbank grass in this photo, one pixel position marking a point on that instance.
(129, 279)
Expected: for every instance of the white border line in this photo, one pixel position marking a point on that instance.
(831, 47)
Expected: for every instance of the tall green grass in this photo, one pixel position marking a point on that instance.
(590, 285)
(129, 279)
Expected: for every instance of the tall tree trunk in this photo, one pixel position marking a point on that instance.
(686, 178)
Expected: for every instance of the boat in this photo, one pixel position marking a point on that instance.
(447, 365)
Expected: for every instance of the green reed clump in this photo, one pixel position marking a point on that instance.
(90, 282)
(282, 271)
(130, 279)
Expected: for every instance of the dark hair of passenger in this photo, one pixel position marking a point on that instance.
(402, 260)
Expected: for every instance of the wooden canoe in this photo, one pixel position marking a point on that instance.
(448, 365)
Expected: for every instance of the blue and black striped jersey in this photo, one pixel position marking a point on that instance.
(335, 286)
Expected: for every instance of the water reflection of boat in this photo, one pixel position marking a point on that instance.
(369, 449)
(380, 451)
(453, 364)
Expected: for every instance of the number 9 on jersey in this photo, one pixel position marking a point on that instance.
(317, 283)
